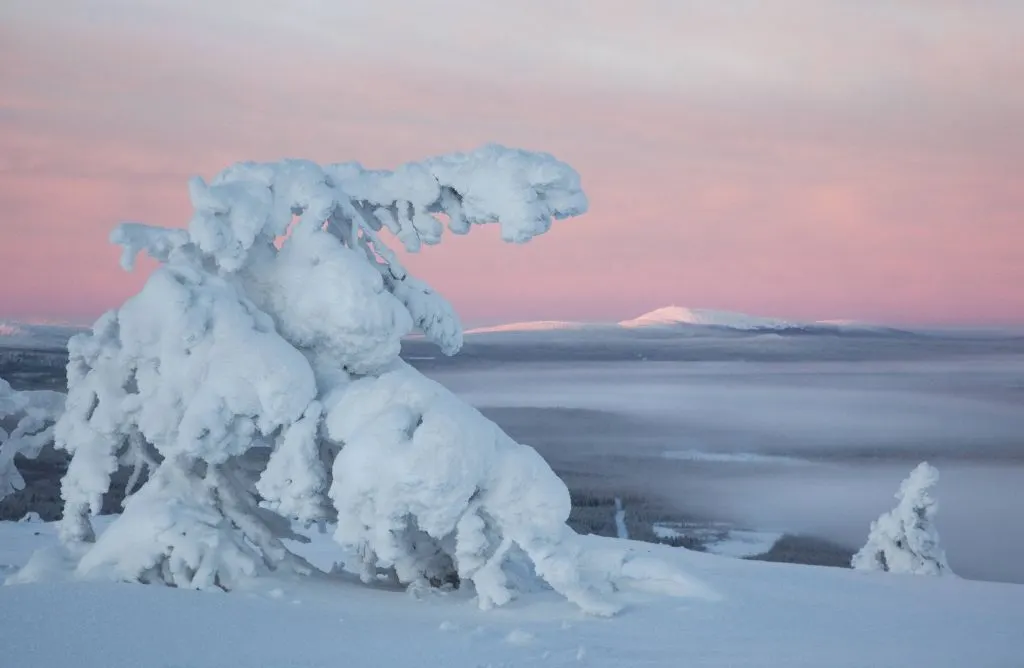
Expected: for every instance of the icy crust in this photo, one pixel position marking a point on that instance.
(427, 488)
(30, 416)
(905, 540)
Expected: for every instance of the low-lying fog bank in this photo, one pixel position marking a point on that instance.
(802, 446)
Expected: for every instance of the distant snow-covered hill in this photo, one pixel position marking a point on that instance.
(678, 315)
(534, 326)
(681, 319)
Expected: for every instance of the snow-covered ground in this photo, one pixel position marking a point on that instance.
(719, 538)
(718, 612)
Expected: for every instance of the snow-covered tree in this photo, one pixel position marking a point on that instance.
(904, 540)
(273, 324)
(29, 416)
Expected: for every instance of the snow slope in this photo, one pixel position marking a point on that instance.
(728, 612)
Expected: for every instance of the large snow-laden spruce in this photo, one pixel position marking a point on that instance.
(273, 325)
(29, 415)
(905, 540)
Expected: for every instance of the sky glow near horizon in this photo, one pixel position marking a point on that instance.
(803, 160)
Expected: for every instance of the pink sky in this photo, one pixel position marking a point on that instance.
(804, 160)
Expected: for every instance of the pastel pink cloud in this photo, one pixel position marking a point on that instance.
(739, 172)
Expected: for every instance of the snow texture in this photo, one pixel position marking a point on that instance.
(767, 614)
(29, 416)
(274, 322)
(190, 532)
(905, 540)
(426, 487)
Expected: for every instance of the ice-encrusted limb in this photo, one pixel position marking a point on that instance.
(415, 457)
(32, 414)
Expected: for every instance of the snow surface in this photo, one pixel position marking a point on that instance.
(725, 613)
(722, 540)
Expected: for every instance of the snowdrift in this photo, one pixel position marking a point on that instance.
(727, 612)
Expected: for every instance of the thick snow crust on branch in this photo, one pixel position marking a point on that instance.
(428, 488)
(26, 426)
(905, 540)
(274, 325)
(519, 190)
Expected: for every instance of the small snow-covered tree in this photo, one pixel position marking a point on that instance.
(905, 540)
(30, 416)
(274, 323)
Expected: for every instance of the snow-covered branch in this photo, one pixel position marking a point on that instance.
(250, 205)
(29, 416)
(430, 490)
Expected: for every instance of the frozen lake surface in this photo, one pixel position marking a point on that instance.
(800, 435)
